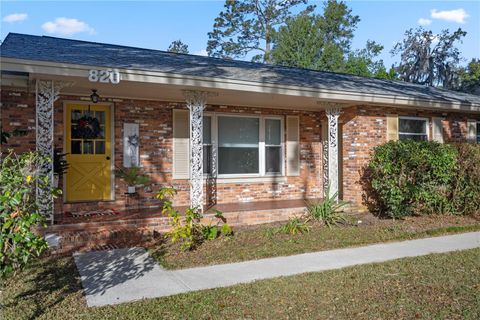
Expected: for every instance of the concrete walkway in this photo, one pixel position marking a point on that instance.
(116, 276)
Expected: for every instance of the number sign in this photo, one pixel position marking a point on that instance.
(104, 76)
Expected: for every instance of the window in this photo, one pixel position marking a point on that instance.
(273, 146)
(80, 144)
(238, 145)
(246, 145)
(413, 128)
(478, 132)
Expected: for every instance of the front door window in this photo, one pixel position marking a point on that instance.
(87, 132)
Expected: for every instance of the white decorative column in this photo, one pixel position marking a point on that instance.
(196, 101)
(326, 182)
(333, 142)
(46, 93)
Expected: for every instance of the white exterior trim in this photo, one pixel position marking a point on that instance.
(267, 178)
(261, 145)
(76, 70)
(333, 151)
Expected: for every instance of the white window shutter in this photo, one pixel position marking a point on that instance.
(293, 146)
(437, 129)
(392, 127)
(181, 144)
(471, 130)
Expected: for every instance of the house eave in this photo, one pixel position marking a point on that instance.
(38, 69)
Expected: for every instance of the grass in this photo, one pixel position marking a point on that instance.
(440, 286)
(262, 242)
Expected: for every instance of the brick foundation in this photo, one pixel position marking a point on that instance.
(92, 235)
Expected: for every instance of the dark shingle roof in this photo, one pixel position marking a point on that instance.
(42, 48)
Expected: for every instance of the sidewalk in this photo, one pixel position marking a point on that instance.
(122, 275)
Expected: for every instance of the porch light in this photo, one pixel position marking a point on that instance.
(94, 96)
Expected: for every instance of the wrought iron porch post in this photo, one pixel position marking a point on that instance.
(196, 101)
(47, 92)
(333, 143)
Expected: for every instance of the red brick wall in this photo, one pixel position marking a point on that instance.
(306, 185)
(364, 127)
(17, 111)
(156, 134)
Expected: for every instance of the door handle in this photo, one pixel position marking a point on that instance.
(108, 158)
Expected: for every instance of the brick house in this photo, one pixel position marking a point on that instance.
(253, 139)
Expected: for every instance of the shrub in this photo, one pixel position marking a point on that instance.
(327, 210)
(19, 212)
(212, 231)
(465, 189)
(410, 178)
(295, 225)
(132, 176)
(188, 228)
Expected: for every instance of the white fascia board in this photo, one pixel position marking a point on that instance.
(210, 83)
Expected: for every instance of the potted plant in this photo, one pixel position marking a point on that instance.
(132, 177)
(60, 166)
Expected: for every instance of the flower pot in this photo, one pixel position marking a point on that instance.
(131, 189)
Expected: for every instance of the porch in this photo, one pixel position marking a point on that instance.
(112, 229)
(186, 151)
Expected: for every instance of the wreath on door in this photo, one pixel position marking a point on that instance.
(88, 128)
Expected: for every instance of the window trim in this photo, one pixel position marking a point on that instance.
(427, 126)
(282, 146)
(261, 145)
(478, 132)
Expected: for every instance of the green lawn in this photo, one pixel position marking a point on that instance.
(253, 242)
(441, 286)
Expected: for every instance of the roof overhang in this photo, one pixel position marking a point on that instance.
(42, 69)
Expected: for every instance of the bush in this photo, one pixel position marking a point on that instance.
(187, 228)
(465, 189)
(328, 210)
(413, 178)
(19, 212)
(295, 225)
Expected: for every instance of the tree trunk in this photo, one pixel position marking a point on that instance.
(267, 50)
(266, 58)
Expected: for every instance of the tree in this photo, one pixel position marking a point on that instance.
(338, 24)
(317, 41)
(427, 58)
(178, 46)
(297, 44)
(362, 63)
(382, 73)
(247, 26)
(469, 77)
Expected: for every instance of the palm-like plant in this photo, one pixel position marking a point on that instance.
(327, 210)
(132, 176)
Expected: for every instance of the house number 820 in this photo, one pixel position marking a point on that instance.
(104, 76)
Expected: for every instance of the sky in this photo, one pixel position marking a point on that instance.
(155, 24)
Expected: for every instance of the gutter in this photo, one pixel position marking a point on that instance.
(136, 75)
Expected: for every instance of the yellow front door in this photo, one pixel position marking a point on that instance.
(88, 152)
